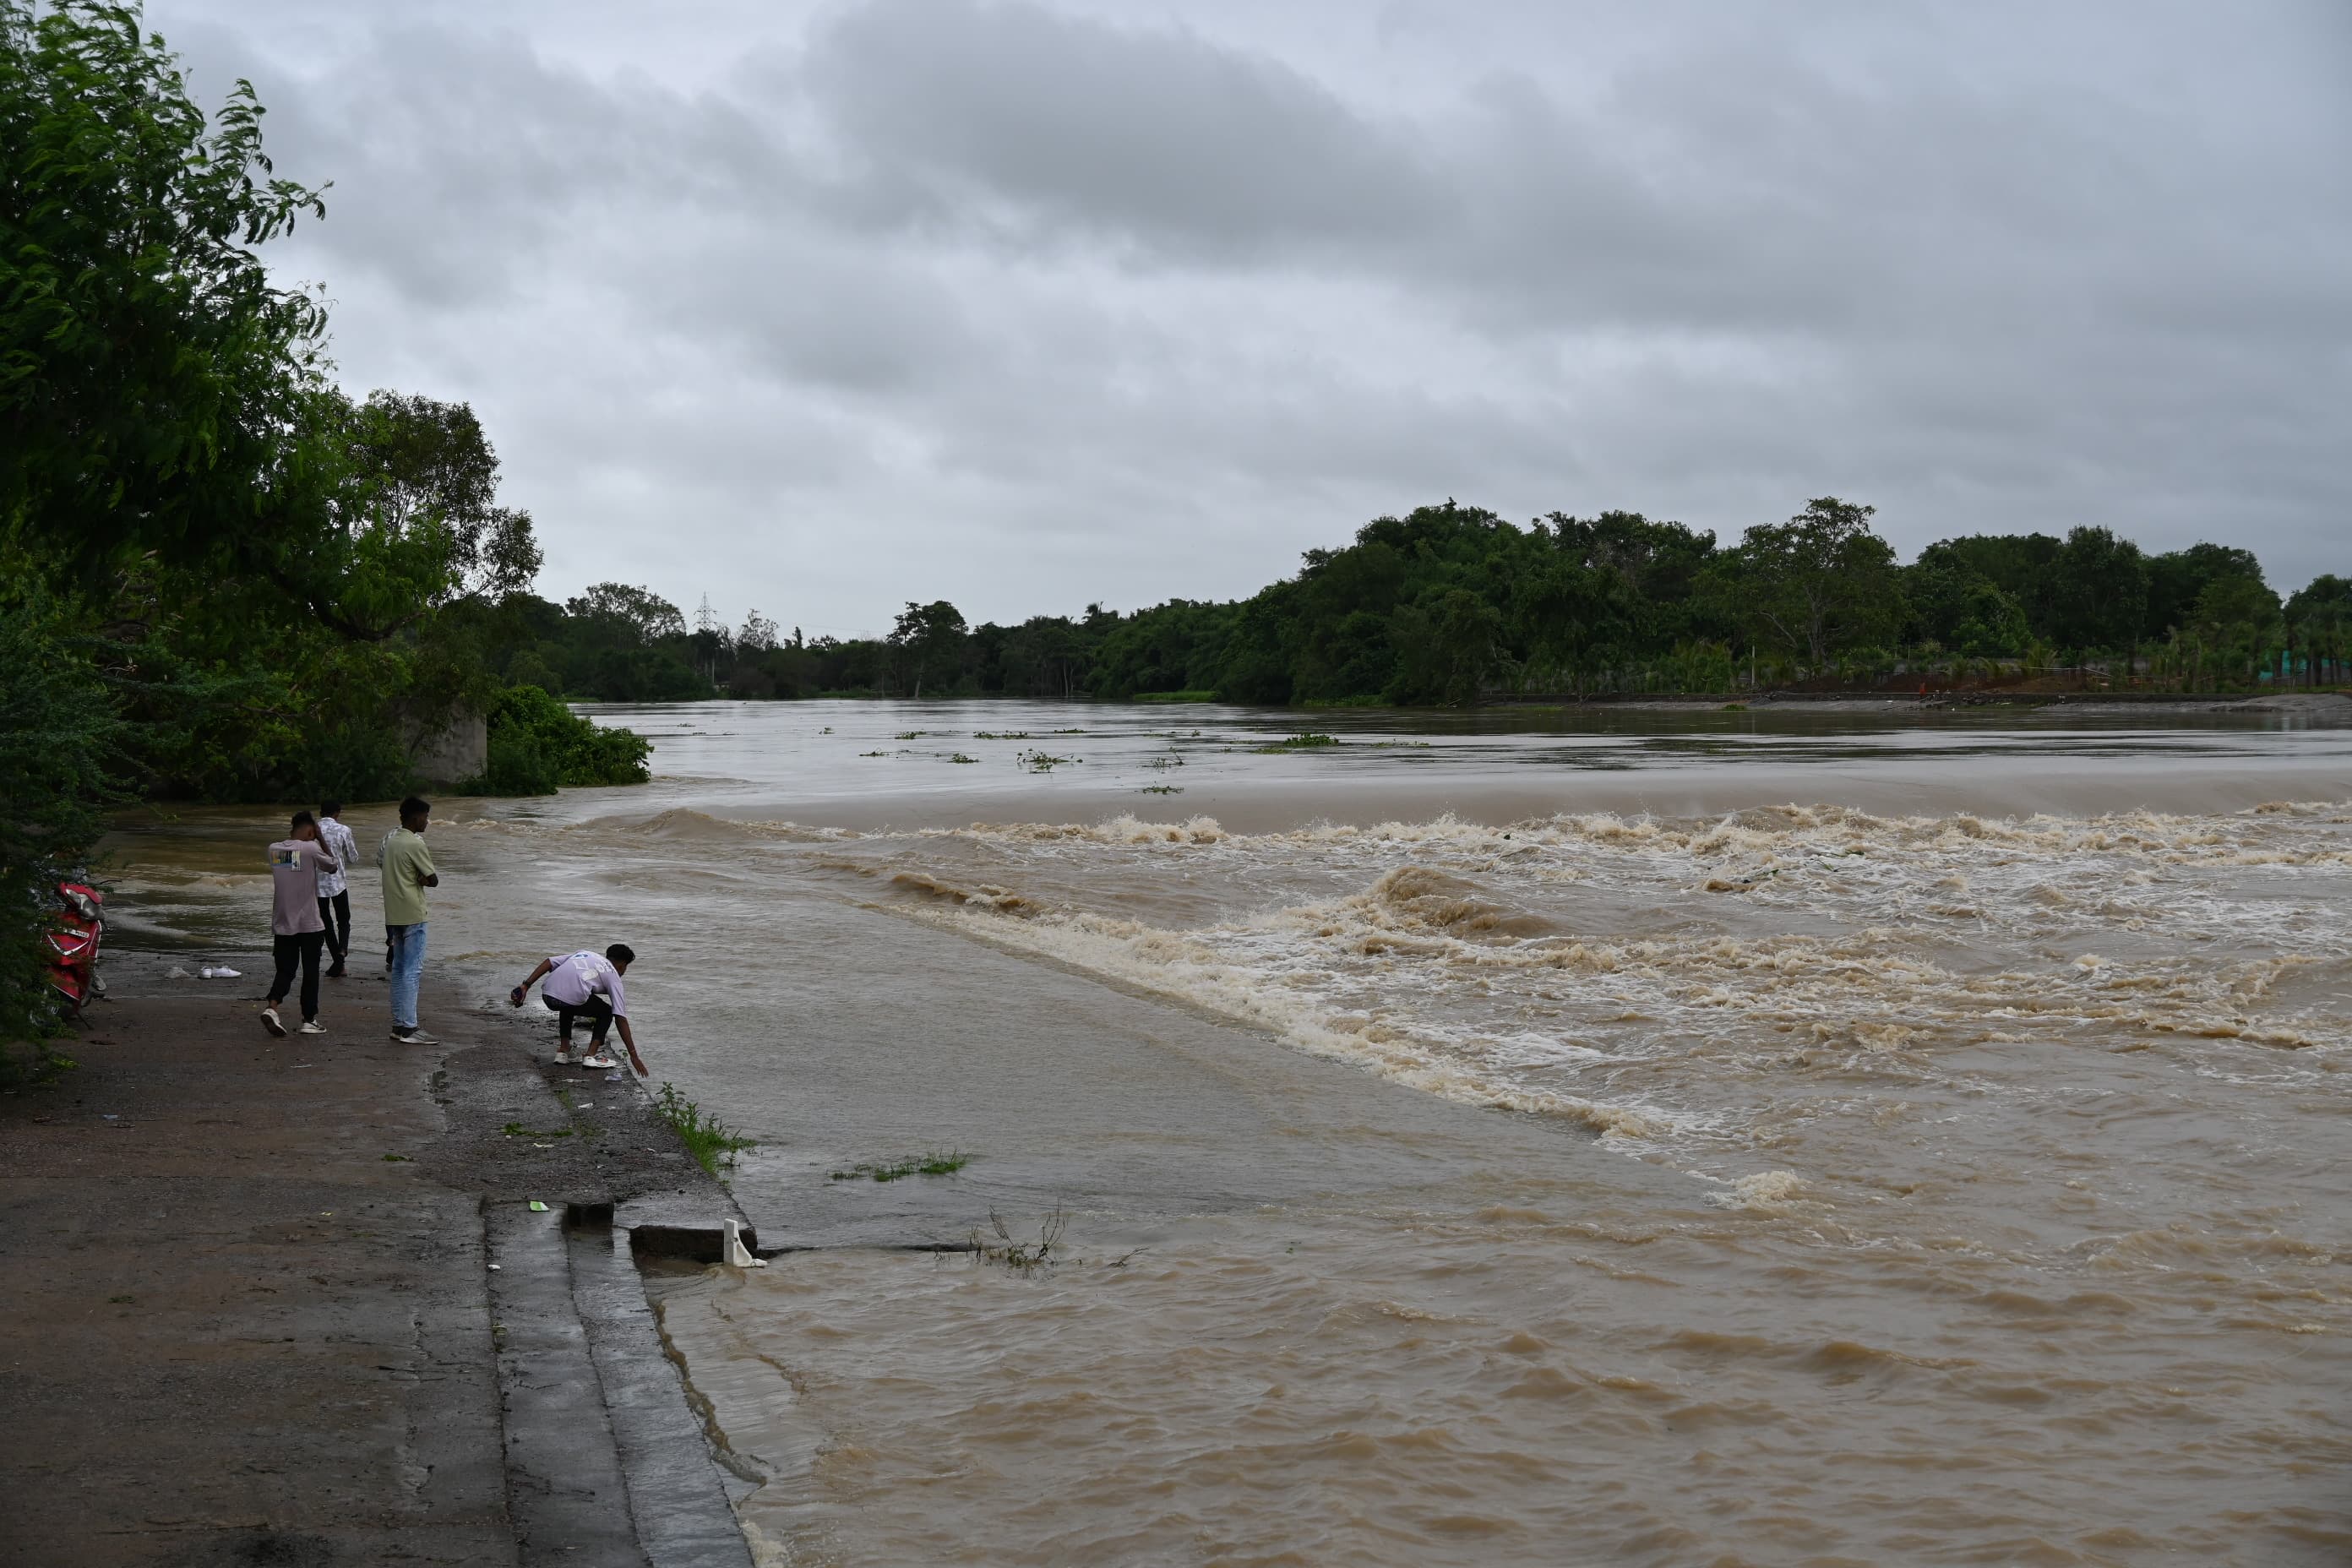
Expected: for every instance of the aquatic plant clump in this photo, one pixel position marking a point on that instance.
(711, 1141)
(931, 1162)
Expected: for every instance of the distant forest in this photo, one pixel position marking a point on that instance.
(1452, 605)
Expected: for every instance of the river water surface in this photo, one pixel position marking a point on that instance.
(1709, 1137)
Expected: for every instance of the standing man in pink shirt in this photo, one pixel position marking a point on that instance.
(295, 931)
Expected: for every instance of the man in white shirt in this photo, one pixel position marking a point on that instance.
(586, 984)
(334, 887)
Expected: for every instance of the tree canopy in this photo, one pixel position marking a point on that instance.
(219, 575)
(1451, 603)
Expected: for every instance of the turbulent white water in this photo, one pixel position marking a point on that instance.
(1945, 1167)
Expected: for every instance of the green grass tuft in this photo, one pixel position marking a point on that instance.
(711, 1141)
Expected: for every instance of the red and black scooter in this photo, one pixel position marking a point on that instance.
(76, 928)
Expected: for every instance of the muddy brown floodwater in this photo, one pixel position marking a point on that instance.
(1682, 1138)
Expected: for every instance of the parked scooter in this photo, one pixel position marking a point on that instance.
(76, 928)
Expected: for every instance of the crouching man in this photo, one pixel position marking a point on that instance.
(586, 984)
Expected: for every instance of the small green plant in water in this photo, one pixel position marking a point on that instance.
(1163, 789)
(711, 1141)
(959, 757)
(1307, 740)
(999, 734)
(1042, 762)
(931, 1162)
(909, 735)
(517, 1130)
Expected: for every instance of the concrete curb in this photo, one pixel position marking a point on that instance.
(606, 1463)
(565, 1494)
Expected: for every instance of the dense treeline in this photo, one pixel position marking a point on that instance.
(220, 577)
(1450, 604)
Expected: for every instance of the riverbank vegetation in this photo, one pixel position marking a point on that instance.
(221, 576)
(711, 1141)
(1451, 603)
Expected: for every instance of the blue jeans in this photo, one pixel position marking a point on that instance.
(407, 971)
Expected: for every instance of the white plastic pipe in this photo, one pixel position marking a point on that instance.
(732, 1248)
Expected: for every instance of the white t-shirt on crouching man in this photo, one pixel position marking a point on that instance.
(572, 979)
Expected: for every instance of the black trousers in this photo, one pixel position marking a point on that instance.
(335, 913)
(304, 946)
(596, 1010)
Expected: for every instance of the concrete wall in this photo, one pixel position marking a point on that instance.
(459, 751)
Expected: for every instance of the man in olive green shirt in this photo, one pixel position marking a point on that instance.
(407, 871)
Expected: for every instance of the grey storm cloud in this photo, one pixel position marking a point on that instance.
(1023, 305)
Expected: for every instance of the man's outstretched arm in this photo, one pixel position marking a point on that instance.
(630, 1042)
(515, 996)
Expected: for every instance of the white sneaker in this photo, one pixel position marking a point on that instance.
(563, 1054)
(269, 1022)
(420, 1038)
(311, 1026)
(598, 1061)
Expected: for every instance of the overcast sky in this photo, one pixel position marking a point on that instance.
(818, 309)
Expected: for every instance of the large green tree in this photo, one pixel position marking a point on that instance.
(2097, 592)
(1821, 581)
(158, 393)
(2320, 625)
(929, 642)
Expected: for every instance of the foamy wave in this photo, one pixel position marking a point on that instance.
(1767, 834)
(1186, 970)
(1766, 1191)
(1721, 981)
